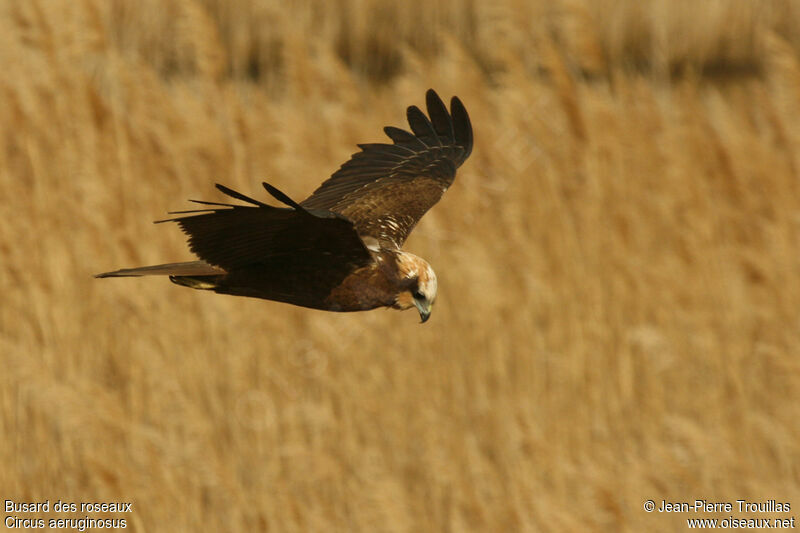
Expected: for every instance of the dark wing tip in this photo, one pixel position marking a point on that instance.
(422, 126)
(461, 125)
(239, 196)
(403, 138)
(439, 116)
(281, 197)
(443, 128)
(217, 206)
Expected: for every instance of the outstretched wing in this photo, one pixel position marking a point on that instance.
(386, 188)
(259, 245)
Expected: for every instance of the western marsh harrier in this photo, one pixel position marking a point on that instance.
(340, 248)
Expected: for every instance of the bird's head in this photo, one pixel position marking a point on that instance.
(418, 284)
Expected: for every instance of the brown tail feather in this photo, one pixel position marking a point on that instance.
(190, 268)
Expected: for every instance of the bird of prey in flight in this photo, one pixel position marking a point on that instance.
(340, 248)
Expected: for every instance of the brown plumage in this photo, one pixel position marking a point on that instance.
(340, 248)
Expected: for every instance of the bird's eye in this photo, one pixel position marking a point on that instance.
(417, 295)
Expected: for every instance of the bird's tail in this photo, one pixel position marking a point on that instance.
(174, 270)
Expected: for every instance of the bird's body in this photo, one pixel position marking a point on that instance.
(339, 249)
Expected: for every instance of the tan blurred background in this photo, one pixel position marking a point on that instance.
(619, 306)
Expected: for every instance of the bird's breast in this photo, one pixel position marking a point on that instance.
(365, 288)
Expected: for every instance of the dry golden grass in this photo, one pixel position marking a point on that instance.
(618, 316)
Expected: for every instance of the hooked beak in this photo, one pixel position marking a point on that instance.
(424, 310)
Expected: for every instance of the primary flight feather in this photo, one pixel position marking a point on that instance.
(340, 248)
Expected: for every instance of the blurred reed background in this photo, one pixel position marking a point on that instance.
(619, 307)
